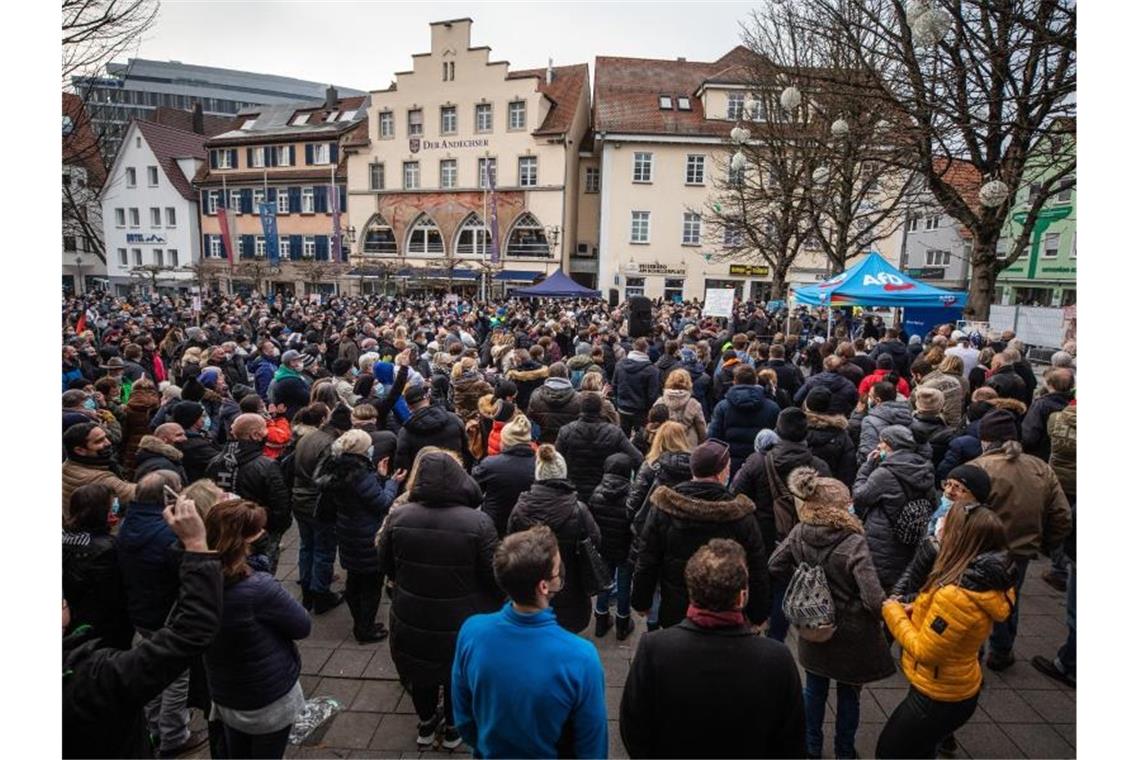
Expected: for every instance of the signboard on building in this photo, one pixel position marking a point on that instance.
(927, 273)
(748, 271)
(416, 144)
(152, 238)
(656, 269)
(718, 302)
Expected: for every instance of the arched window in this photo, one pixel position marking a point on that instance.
(528, 238)
(379, 237)
(424, 238)
(474, 239)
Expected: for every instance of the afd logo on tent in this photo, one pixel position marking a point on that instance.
(888, 281)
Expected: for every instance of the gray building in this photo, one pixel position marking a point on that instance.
(936, 249)
(136, 88)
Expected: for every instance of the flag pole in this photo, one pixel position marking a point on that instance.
(486, 231)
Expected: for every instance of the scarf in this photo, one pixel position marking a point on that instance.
(709, 619)
(99, 462)
(284, 371)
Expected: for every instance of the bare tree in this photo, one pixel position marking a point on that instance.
(256, 270)
(982, 81)
(149, 273)
(315, 271)
(95, 31)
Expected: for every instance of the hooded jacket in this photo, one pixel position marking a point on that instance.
(241, 468)
(579, 365)
(438, 549)
(947, 626)
(586, 443)
(682, 520)
(1034, 428)
(154, 455)
(138, 410)
(465, 393)
(880, 416)
(528, 376)
(636, 383)
(429, 426)
(685, 409)
(702, 390)
(857, 653)
(93, 587)
(880, 493)
(263, 370)
(744, 412)
(608, 506)
(844, 396)
(897, 351)
(1026, 495)
(752, 480)
(502, 478)
(931, 429)
(289, 388)
(553, 406)
(554, 503)
(670, 469)
(828, 439)
(361, 499)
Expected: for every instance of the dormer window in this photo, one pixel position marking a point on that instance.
(248, 124)
(665, 102)
(301, 118)
(332, 116)
(348, 116)
(683, 103)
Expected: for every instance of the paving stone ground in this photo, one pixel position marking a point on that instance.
(1021, 713)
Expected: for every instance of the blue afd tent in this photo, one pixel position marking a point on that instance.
(874, 282)
(556, 285)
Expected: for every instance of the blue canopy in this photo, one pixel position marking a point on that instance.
(874, 282)
(557, 285)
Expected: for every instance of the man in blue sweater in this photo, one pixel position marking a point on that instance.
(523, 686)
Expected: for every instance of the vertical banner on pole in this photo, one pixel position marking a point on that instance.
(227, 238)
(269, 229)
(494, 217)
(334, 207)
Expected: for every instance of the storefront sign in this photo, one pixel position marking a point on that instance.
(748, 271)
(927, 273)
(152, 238)
(657, 269)
(416, 144)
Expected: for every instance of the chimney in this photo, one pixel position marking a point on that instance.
(197, 123)
(330, 98)
(549, 70)
(680, 59)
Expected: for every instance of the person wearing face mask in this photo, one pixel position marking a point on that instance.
(344, 377)
(243, 469)
(264, 367)
(88, 451)
(522, 685)
(199, 448)
(359, 493)
(289, 386)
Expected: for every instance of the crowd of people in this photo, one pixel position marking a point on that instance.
(508, 472)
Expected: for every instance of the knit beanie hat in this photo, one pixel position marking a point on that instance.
(209, 377)
(186, 413)
(688, 355)
(818, 400)
(192, 390)
(898, 437)
(792, 425)
(998, 426)
(341, 418)
(516, 432)
(817, 491)
(974, 478)
(549, 464)
(765, 440)
(929, 399)
(709, 459)
(352, 442)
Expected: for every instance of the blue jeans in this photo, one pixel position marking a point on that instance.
(622, 574)
(317, 553)
(846, 714)
(1066, 660)
(1003, 635)
(777, 623)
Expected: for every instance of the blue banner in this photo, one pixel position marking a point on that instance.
(268, 212)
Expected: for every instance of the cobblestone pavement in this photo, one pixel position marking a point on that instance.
(1021, 712)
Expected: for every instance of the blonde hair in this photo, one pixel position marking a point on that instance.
(767, 376)
(966, 533)
(466, 364)
(592, 382)
(669, 437)
(205, 494)
(679, 379)
(952, 365)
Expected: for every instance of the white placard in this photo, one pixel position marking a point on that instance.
(196, 303)
(719, 301)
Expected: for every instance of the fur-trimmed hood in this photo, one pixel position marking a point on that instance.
(155, 445)
(811, 513)
(528, 375)
(817, 420)
(677, 504)
(487, 405)
(1010, 405)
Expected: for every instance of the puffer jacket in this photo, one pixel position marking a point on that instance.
(744, 412)
(528, 376)
(465, 393)
(672, 468)
(310, 452)
(682, 520)
(148, 558)
(685, 409)
(154, 455)
(931, 429)
(828, 439)
(844, 396)
(833, 539)
(93, 587)
(881, 416)
(607, 505)
(429, 426)
(865, 384)
(360, 499)
(752, 481)
(555, 503)
(503, 477)
(947, 626)
(586, 443)
(438, 549)
(702, 390)
(553, 406)
(880, 493)
(636, 383)
(1026, 495)
(241, 468)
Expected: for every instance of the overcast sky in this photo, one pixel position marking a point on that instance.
(362, 43)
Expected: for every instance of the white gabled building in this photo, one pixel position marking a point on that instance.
(150, 209)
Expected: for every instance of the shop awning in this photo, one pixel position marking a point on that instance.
(516, 275)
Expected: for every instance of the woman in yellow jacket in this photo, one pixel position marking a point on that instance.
(969, 589)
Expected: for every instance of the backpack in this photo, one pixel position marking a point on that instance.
(576, 376)
(783, 502)
(808, 604)
(913, 519)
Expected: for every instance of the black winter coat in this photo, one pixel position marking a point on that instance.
(554, 503)
(197, 452)
(637, 384)
(930, 429)
(241, 468)
(880, 493)
(1035, 426)
(683, 520)
(752, 481)
(1009, 384)
(502, 478)
(702, 385)
(429, 426)
(361, 499)
(897, 352)
(744, 412)
(94, 589)
(607, 505)
(671, 469)
(844, 393)
(788, 377)
(586, 443)
(668, 710)
(1024, 370)
(105, 689)
(438, 549)
(154, 455)
(828, 439)
(309, 454)
(553, 406)
(914, 577)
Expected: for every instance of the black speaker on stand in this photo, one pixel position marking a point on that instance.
(613, 298)
(640, 317)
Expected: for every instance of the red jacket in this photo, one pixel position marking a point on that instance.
(880, 374)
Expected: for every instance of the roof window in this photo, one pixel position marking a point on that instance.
(683, 103)
(665, 102)
(301, 118)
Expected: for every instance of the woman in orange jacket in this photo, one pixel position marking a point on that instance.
(968, 590)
